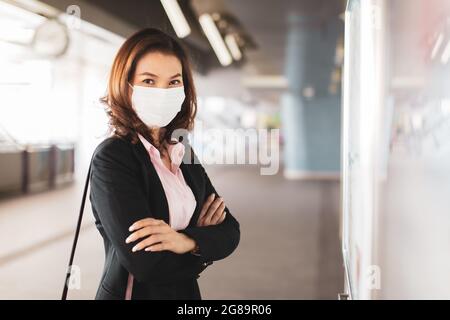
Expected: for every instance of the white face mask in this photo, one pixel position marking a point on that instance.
(156, 107)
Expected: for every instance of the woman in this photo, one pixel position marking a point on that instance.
(161, 220)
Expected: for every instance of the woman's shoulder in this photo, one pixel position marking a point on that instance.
(113, 147)
(113, 155)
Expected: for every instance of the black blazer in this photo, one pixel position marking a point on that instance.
(125, 187)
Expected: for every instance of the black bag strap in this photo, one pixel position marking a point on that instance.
(77, 233)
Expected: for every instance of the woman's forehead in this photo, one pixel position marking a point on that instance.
(162, 65)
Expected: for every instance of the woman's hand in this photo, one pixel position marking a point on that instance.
(213, 211)
(159, 236)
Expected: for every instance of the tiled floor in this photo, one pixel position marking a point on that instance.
(289, 248)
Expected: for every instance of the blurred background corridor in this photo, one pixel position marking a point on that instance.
(290, 217)
(362, 145)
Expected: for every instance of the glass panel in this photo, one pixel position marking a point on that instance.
(396, 149)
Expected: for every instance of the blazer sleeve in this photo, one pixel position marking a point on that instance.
(119, 201)
(215, 242)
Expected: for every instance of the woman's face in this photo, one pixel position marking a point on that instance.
(158, 70)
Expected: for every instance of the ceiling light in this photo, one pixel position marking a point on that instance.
(176, 17)
(233, 46)
(216, 40)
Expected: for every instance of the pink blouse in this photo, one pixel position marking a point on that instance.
(179, 195)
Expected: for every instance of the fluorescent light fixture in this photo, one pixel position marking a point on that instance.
(176, 17)
(216, 40)
(437, 45)
(446, 54)
(233, 46)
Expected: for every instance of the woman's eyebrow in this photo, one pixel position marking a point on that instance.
(148, 74)
(156, 76)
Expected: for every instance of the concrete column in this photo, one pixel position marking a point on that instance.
(310, 115)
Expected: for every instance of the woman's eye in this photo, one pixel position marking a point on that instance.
(148, 81)
(175, 82)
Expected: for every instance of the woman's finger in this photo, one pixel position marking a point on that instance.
(200, 222)
(154, 238)
(224, 213)
(206, 205)
(218, 213)
(145, 222)
(146, 231)
(212, 208)
(143, 232)
(158, 247)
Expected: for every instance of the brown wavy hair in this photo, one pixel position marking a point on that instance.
(123, 121)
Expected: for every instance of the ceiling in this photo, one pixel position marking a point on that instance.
(264, 20)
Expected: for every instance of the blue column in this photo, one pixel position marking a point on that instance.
(310, 126)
